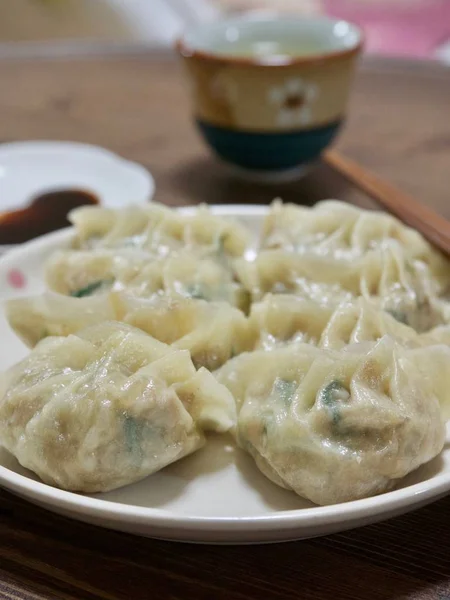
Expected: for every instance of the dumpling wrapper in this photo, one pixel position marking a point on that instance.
(385, 277)
(152, 249)
(345, 231)
(107, 407)
(82, 273)
(160, 231)
(336, 426)
(285, 319)
(281, 320)
(213, 332)
(397, 265)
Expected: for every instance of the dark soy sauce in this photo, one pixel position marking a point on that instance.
(46, 212)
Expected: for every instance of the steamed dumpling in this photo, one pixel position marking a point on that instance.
(335, 426)
(337, 228)
(371, 253)
(280, 319)
(159, 230)
(408, 290)
(284, 319)
(81, 273)
(49, 314)
(204, 279)
(213, 332)
(151, 249)
(106, 407)
(87, 273)
(315, 278)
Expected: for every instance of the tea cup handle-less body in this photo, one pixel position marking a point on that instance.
(270, 92)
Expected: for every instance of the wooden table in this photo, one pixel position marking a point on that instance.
(399, 125)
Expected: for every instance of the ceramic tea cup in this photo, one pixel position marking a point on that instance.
(270, 92)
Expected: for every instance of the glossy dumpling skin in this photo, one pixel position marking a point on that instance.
(391, 261)
(204, 279)
(345, 231)
(92, 272)
(82, 273)
(285, 319)
(335, 426)
(106, 407)
(385, 277)
(152, 249)
(312, 277)
(159, 230)
(281, 319)
(35, 318)
(213, 332)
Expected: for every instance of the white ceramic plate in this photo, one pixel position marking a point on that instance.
(216, 495)
(28, 169)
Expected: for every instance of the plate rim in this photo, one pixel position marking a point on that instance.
(87, 505)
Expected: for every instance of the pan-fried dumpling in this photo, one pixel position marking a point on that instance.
(335, 426)
(404, 288)
(85, 273)
(159, 230)
(107, 407)
(281, 319)
(344, 231)
(213, 332)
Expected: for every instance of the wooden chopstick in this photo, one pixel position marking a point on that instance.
(434, 227)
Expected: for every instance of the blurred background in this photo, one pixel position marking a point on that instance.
(412, 28)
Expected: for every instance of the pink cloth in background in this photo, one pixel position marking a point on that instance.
(414, 29)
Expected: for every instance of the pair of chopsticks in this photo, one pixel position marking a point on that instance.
(434, 227)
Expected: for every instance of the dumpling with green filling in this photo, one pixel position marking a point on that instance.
(385, 277)
(410, 290)
(320, 279)
(336, 426)
(34, 318)
(361, 321)
(345, 231)
(204, 279)
(106, 407)
(213, 332)
(82, 273)
(160, 231)
(285, 319)
(186, 276)
(281, 319)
